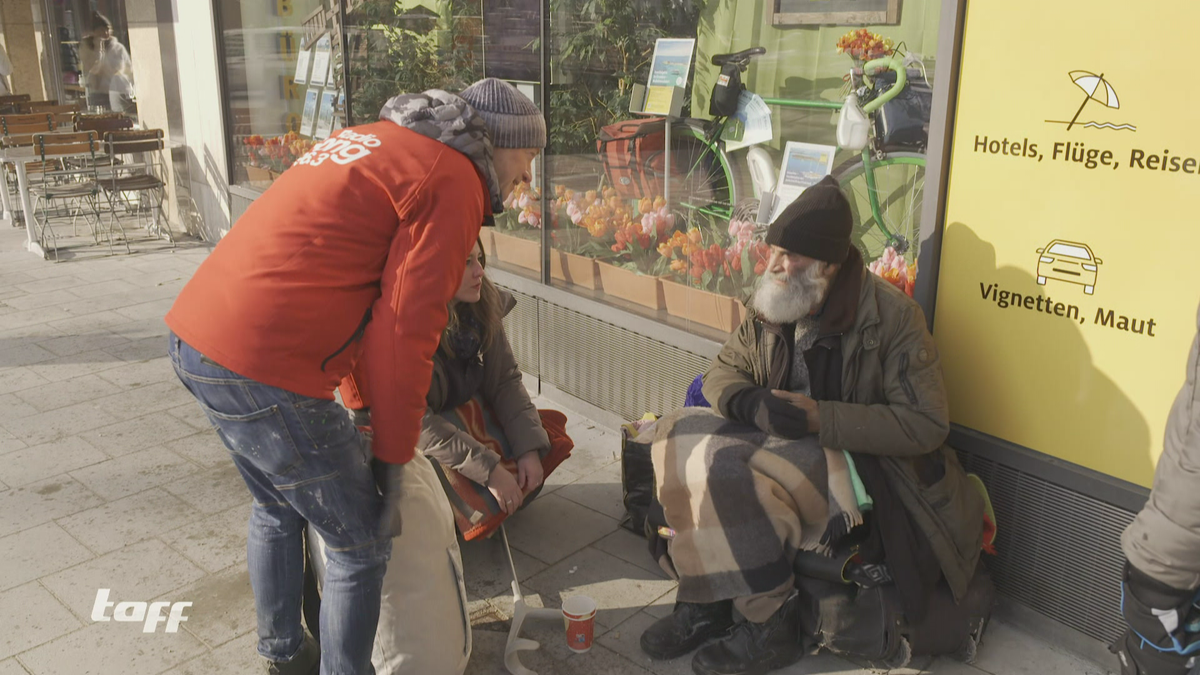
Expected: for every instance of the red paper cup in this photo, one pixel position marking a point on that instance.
(579, 618)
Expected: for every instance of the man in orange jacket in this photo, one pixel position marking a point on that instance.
(355, 250)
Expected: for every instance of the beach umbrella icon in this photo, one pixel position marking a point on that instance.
(1096, 88)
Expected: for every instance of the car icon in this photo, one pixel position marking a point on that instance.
(1068, 261)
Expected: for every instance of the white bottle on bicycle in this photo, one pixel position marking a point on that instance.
(853, 125)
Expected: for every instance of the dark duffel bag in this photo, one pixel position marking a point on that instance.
(869, 622)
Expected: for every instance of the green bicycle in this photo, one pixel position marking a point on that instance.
(885, 181)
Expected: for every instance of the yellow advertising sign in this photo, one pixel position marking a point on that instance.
(1068, 289)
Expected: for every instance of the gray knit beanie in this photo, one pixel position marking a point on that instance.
(515, 122)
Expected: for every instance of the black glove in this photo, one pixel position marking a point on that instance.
(389, 480)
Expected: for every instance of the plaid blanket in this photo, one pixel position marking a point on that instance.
(476, 512)
(741, 503)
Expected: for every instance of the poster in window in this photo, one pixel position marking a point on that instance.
(322, 55)
(803, 165)
(310, 111)
(839, 12)
(303, 61)
(669, 69)
(325, 115)
(510, 29)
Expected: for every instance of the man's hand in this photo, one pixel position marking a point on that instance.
(504, 488)
(529, 471)
(389, 478)
(804, 403)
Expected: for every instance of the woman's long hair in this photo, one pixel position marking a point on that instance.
(487, 313)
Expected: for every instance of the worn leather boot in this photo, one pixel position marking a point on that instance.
(689, 626)
(755, 648)
(307, 660)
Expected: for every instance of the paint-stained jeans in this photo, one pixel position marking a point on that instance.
(302, 460)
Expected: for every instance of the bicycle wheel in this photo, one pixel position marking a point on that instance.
(897, 185)
(704, 180)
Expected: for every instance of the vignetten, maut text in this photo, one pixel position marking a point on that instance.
(1044, 304)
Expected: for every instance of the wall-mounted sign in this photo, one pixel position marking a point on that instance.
(1067, 293)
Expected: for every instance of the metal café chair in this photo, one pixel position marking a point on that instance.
(138, 170)
(80, 184)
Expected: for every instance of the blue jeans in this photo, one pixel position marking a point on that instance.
(302, 460)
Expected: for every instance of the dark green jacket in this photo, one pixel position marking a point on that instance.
(873, 348)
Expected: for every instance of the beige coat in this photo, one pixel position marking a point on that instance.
(1164, 539)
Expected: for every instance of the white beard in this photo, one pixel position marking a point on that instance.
(788, 304)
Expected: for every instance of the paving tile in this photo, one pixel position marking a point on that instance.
(1009, 651)
(83, 342)
(595, 448)
(140, 350)
(191, 413)
(134, 472)
(66, 367)
(553, 528)
(33, 332)
(949, 666)
(24, 507)
(13, 408)
(663, 605)
(60, 423)
(9, 443)
(36, 552)
(560, 477)
(631, 548)
(599, 491)
(122, 438)
(143, 400)
(236, 656)
(48, 298)
(12, 667)
(204, 448)
(40, 462)
(141, 373)
(17, 352)
(486, 570)
(216, 542)
(30, 616)
(144, 329)
(125, 521)
(106, 648)
(619, 588)
(139, 572)
(29, 317)
(16, 379)
(95, 290)
(67, 392)
(222, 606)
(47, 285)
(155, 309)
(212, 490)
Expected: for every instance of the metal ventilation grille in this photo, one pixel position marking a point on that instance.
(521, 326)
(1059, 551)
(613, 368)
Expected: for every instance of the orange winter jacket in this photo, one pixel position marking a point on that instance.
(358, 248)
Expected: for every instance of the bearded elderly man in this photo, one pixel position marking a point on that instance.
(829, 359)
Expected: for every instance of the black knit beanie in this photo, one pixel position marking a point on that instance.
(817, 224)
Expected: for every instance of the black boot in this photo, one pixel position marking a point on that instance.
(755, 648)
(689, 626)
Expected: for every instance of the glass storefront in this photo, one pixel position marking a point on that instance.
(662, 171)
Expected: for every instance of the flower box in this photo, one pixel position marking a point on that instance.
(258, 174)
(517, 251)
(710, 309)
(576, 270)
(641, 289)
(487, 239)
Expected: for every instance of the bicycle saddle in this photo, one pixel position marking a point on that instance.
(740, 58)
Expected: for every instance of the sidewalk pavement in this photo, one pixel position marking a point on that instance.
(110, 477)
